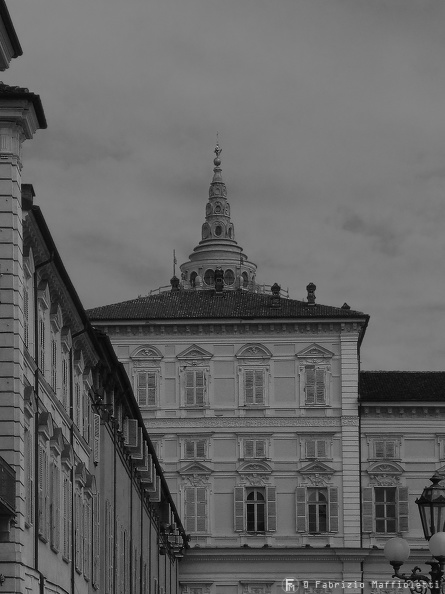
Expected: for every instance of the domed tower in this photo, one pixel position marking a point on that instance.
(218, 251)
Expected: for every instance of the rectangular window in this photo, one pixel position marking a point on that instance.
(67, 516)
(195, 508)
(53, 363)
(29, 477)
(78, 405)
(385, 509)
(254, 448)
(315, 385)
(54, 509)
(316, 448)
(146, 388)
(195, 449)
(65, 381)
(385, 448)
(195, 388)
(43, 493)
(255, 509)
(42, 345)
(26, 315)
(254, 386)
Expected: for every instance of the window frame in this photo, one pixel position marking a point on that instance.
(147, 371)
(302, 509)
(264, 370)
(195, 369)
(240, 494)
(369, 504)
(195, 441)
(193, 497)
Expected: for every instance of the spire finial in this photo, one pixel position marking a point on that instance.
(217, 151)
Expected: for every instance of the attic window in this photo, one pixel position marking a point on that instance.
(218, 230)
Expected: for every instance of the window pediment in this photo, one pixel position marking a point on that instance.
(315, 351)
(46, 425)
(81, 474)
(56, 442)
(56, 317)
(68, 455)
(90, 484)
(147, 352)
(316, 468)
(43, 294)
(66, 339)
(79, 362)
(254, 468)
(88, 377)
(194, 353)
(28, 261)
(253, 351)
(30, 401)
(195, 468)
(385, 468)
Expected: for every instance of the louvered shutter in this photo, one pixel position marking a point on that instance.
(189, 387)
(321, 448)
(271, 509)
(259, 386)
(200, 386)
(379, 449)
(131, 434)
(26, 315)
(142, 388)
(390, 449)
(300, 494)
(260, 448)
(201, 509)
(96, 442)
(367, 509)
(151, 389)
(320, 386)
(310, 448)
(248, 386)
(201, 448)
(239, 509)
(310, 384)
(189, 449)
(333, 509)
(41, 501)
(403, 509)
(249, 448)
(190, 507)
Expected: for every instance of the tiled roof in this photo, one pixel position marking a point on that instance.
(175, 305)
(8, 92)
(399, 386)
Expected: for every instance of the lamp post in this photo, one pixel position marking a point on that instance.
(432, 514)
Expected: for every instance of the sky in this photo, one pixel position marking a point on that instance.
(330, 115)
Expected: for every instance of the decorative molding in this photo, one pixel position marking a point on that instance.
(253, 351)
(243, 422)
(385, 474)
(194, 353)
(349, 421)
(147, 352)
(315, 353)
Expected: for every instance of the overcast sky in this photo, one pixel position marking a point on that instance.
(331, 117)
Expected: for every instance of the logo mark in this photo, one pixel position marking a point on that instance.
(290, 584)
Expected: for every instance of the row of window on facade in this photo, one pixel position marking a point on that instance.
(253, 386)
(258, 447)
(385, 510)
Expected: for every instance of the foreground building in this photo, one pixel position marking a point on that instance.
(283, 458)
(84, 506)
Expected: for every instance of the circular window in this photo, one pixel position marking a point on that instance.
(209, 277)
(218, 230)
(229, 277)
(245, 279)
(193, 278)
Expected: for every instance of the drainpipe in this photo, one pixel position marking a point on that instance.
(73, 527)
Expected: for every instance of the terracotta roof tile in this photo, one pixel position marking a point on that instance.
(399, 386)
(174, 305)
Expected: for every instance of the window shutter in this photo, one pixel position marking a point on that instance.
(310, 448)
(239, 509)
(271, 523)
(320, 386)
(40, 519)
(189, 388)
(259, 386)
(190, 500)
(151, 389)
(367, 510)
(379, 449)
(142, 389)
(199, 375)
(403, 508)
(249, 448)
(301, 508)
(321, 448)
(201, 509)
(310, 384)
(390, 449)
(131, 435)
(248, 386)
(96, 444)
(26, 315)
(189, 449)
(260, 448)
(333, 509)
(201, 448)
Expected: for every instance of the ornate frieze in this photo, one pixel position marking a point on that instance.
(245, 422)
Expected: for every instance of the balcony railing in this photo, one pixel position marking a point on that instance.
(7, 489)
(250, 287)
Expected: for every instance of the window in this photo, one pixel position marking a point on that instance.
(54, 508)
(67, 515)
(195, 508)
(317, 509)
(195, 387)
(195, 449)
(385, 448)
(229, 276)
(54, 361)
(255, 509)
(254, 386)
(26, 315)
(209, 277)
(315, 385)
(254, 448)
(42, 344)
(43, 493)
(146, 388)
(29, 476)
(65, 380)
(385, 509)
(316, 448)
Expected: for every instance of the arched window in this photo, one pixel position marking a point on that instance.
(218, 230)
(193, 279)
(317, 510)
(255, 510)
(209, 277)
(229, 277)
(245, 279)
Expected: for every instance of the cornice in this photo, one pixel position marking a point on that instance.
(243, 422)
(221, 327)
(399, 411)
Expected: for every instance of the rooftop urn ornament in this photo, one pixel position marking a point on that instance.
(275, 298)
(219, 280)
(311, 294)
(174, 281)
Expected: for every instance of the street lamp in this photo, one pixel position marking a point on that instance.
(432, 513)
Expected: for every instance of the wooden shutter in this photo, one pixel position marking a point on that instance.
(367, 509)
(190, 509)
(239, 509)
(379, 449)
(131, 434)
(189, 447)
(310, 448)
(333, 509)
(248, 386)
(200, 387)
(201, 448)
(310, 384)
(271, 499)
(151, 389)
(201, 509)
(41, 500)
(300, 493)
(320, 386)
(96, 442)
(249, 448)
(189, 387)
(260, 448)
(403, 509)
(142, 388)
(259, 386)
(26, 315)
(321, 448)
